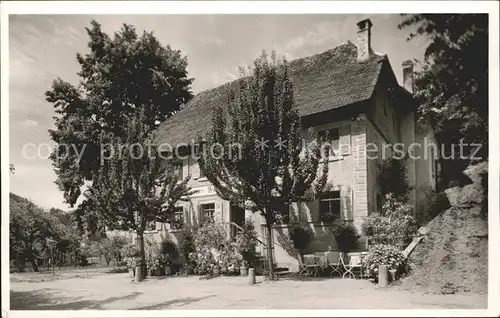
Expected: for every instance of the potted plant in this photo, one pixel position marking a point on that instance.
(327, 218)
(346, 235)
(244, 269)
(216, 269)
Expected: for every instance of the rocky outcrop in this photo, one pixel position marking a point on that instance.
(453, 256)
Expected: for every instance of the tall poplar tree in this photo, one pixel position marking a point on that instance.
(254, 154)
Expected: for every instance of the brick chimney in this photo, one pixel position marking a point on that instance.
(364, 39)
(408, 75)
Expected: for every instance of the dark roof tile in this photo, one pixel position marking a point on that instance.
(322, 82)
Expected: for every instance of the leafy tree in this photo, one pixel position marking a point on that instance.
(263, 165)
(120, 74)
(29, 229)
(452, 86)
(135, 186)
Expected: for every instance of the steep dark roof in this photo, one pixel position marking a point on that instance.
(322, 82)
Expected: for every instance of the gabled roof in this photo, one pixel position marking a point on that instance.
(322, 82)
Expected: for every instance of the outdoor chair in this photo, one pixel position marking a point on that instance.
(353, 265)
(310, 266)
(335, 262)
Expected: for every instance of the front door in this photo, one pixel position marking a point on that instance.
(237, 216)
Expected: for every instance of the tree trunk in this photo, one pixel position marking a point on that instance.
(33, 262)
(270, 261)
(142, 252)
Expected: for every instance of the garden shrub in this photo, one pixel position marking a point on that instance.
(154, 257)
(213, 248)
(187, 247)
(170, 251)
(300, 235)
(246, 241)
(396, 226)
(131, 255)
(383, 254)
(346, 235)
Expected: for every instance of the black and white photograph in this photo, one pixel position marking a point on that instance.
(280, 158)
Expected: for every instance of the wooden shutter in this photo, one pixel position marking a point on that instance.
(218, 211)
(346, 203)
(345, 139)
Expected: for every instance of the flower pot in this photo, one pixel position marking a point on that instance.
(216, 270)
(168, 270)
(150, 272)
(243, 270)
(131, 272)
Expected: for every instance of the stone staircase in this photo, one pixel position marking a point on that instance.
(261, 261)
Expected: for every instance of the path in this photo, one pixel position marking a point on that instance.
(115, 291)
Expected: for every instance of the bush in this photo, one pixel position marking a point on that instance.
(384, 254)
(213, 248)
(396, 227)
(187, 247)
(156, 259)
(170, 251)
(246, 241)
(346, 235)
(131, 255)
(301, 235)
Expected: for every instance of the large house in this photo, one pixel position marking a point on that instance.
(352, 93)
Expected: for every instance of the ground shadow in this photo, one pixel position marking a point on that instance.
(42, 300)
(168, 303)
(302, 278)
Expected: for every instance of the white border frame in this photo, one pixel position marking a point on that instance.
(246, 7)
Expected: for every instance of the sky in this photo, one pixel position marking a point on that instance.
(44, 47)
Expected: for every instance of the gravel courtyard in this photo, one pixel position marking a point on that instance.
(116, 291)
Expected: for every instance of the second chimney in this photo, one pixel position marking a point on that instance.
(408, 75)
(364, 39)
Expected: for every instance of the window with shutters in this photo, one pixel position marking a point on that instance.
(208, 212)
(332, 137)
(330, 207)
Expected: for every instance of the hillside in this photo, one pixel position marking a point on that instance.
(453, 256)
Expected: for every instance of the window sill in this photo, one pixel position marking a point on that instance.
(332, 159)
(201, 179)
(151, 231)
(175, 230)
